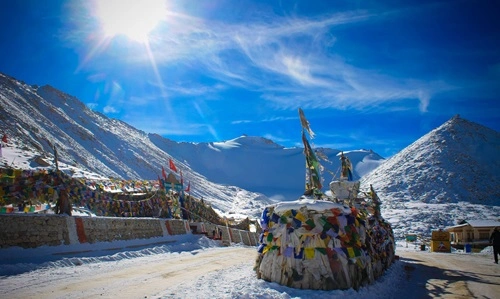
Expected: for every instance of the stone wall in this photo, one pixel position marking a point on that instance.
(232, 235)
(31, 230)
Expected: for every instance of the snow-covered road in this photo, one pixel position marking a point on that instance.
(199, 268)
(141, 277)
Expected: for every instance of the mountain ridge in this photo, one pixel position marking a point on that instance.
(451, 157)
(113, 148)
(421, 187)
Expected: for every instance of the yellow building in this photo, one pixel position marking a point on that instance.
(440, 241)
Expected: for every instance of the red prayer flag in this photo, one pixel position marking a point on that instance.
(4, 138)
(160, 182)
(163, 173)
(172, 165)
(188, 188)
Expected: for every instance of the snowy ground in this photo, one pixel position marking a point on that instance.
(193, 267)
(196, 267)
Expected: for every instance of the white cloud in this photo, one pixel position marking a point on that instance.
(424, 99)
(110, 109)
(289, 60)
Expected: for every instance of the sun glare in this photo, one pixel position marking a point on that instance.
(132, 18)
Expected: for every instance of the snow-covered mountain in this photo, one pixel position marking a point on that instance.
(458, 161)
(450, 174)
(42, 117)
(260, 165)
(36, 119)
(236, 176)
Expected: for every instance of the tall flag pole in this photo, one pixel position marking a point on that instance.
(305, 124)
(4, 139)
(183, 206)
(312, 163)
(56, 158)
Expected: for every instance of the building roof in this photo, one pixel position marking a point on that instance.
(484, 223)
(456, 226)
(477, 224)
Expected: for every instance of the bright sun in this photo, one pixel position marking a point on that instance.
(132, 18)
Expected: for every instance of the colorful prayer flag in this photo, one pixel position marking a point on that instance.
(305, 123)
(309, 253)
(312, 165)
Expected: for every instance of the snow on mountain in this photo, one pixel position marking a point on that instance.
(36, 119)
(260, 165)
(42, 117)
(458, 161)
(450, 174)
(237, 176)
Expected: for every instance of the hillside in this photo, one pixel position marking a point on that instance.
(458, 161)
(36, 119)
(448, 175)
(39, 118)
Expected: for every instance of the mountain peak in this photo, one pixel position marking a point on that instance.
(255, 141)
(458, 161)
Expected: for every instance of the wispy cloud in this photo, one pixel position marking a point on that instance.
(289, 62)
(193, 89)
(286, 60)
(271, 119)
(110, 109)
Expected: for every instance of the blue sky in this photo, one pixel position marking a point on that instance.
(368, 74)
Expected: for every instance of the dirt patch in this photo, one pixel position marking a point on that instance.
(448, 275)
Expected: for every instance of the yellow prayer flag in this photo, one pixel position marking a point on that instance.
(300, 217)
(309, 253)
(350, 252)
(360, 263)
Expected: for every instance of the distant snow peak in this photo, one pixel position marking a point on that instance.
(255, 141)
